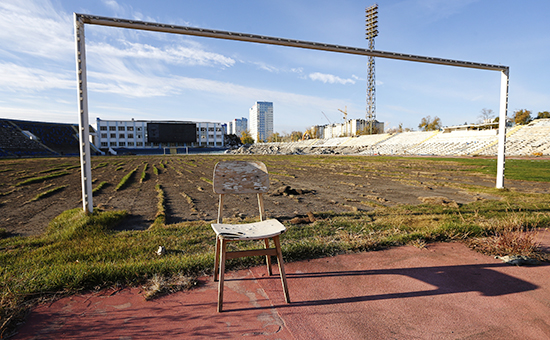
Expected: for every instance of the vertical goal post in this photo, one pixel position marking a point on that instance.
(82, 19)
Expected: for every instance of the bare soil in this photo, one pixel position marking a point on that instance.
(299, 184)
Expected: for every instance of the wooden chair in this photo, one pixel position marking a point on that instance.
(240, 177)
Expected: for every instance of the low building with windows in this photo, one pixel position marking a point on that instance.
(142, 134)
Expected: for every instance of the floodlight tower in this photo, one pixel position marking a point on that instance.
(372, 32)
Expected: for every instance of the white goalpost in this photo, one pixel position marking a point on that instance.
(80, 20)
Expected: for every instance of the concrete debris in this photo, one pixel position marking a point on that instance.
(286, 190)
(518, 260)
(282, 149)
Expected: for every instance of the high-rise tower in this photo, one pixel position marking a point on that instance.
(261, 121)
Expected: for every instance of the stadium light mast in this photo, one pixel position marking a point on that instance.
(371, 33)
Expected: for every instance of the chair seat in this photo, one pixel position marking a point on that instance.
(249, 231)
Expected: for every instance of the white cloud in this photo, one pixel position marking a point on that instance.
(329, 78)
(36, 28)
(18, 78)
(171, 54)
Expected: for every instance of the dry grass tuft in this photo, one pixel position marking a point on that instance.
(160, 285)
(509, 242)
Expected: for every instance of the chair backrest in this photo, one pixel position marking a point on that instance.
(240, 177)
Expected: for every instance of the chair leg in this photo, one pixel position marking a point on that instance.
(268, 258)
(217, 259)
(281, 267)
(223, 247)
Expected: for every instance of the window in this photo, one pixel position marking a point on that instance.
(112, 144)
(103, 135)
(130, 135)
(139, 136)
(103, 128)
(139, 143)
(139, 129)
(113, 135)
(130, 143)
(130, 128)
(121, 135)
(121, 128)
(104, 144)
(211, 129)
(112, 128)
(122, 144)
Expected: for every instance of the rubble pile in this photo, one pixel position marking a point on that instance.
(281, 149)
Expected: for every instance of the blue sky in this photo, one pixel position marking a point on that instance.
(157, 76)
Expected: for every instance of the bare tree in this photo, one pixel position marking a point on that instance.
(486, 116)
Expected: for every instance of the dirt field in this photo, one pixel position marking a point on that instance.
(299, 184)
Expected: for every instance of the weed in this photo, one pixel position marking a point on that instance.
(155, 170)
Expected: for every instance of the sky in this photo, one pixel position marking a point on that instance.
(159, 76)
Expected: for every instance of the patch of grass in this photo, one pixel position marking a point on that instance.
(155, 170)
(281, 174)
(143, 177)
(42, 178)
(47, 193)
(6, 193)
(99, 187)
(100, 165)
(125, 180)
(160, 217)
(207, 180)
(5, 170)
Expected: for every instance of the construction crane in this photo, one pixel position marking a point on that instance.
(345, 112)
(326, 117)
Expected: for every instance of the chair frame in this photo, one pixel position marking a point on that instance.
(222, 254)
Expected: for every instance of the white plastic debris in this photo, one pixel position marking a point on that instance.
(161, 251)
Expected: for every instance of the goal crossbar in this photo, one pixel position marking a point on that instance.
(82, 19)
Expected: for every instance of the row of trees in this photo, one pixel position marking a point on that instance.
(520, 117)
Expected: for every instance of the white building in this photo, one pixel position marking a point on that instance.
(237, 126)
(352, 127)
(261, 121)
(133, 134)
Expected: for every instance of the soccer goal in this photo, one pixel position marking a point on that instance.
(80, 20)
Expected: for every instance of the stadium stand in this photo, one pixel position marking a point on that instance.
(13, 143)
(399, 143)
(61, 138)
(526, 140)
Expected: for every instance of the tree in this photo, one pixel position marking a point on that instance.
(295, 136)
(543, 114)
(246, 138)
(486, 115)
(275, 137)
(522, 117)
(427, 124)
